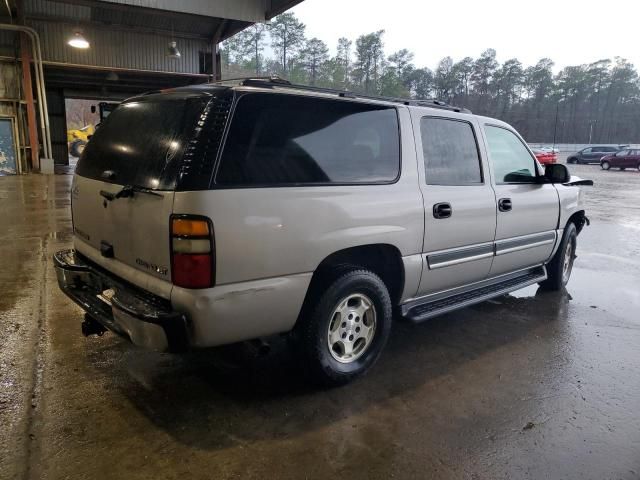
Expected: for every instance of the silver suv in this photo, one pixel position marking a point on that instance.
(221, 213)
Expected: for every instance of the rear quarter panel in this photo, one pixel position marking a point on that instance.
(272, 232)
(269, 241)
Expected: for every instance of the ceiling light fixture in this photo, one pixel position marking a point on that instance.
(78, 41)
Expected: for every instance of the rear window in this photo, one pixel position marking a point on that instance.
(141, 143)
(287, 140)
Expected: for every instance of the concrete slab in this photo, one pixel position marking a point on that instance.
(530, 385)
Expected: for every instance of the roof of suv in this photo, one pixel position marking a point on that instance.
(279, 84)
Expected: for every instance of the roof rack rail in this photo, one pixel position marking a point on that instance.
(275, 81)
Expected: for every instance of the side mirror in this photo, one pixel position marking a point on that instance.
(93, 109)
(556, 173)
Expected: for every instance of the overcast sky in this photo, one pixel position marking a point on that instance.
(569, 32)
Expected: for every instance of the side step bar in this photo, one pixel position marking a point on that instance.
(418, 311)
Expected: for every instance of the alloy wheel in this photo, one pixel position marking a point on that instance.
(352, 328)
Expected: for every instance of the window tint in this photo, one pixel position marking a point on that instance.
(512, 162)
(622, 153)
(286, 139)
(141, 143)
(450, 152)
(587, 150)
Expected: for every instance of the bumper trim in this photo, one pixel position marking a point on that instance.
(143, 318)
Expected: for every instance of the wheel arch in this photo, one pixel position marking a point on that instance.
(579, 219)
(383, 259)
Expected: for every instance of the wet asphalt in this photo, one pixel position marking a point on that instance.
(530, 385)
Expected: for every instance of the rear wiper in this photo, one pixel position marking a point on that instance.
(127, 191)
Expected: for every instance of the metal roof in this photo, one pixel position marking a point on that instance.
(206, 19)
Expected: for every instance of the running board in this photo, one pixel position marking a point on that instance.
(418, 311)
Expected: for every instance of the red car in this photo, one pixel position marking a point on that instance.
(545, 157)
(626, 158)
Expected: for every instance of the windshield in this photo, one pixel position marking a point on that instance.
(141, 142)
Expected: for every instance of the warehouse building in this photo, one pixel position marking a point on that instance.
(98, 53)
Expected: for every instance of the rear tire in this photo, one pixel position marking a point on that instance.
(622, 169)
(638, 167)
(560, 267)
(345, 330)
(605, 165)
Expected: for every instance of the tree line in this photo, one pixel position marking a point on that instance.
(592, 103)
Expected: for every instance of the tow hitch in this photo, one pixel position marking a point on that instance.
(90, 326)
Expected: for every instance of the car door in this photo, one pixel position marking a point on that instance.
(459, 203)
(596, 154)
(629, 161)
(585, 155)
(527, 216)
(620, 160)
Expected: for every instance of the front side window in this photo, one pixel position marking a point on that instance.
(450, 152)
(511, 161)
(587, 150)
(288, 140)
(622, 153)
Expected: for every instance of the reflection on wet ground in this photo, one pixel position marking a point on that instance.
(529, 385)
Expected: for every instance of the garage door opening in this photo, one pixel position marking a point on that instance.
(81, 123)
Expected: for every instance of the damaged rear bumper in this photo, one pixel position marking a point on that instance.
(145, 319)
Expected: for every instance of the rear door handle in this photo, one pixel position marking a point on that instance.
(504, 204)
(442, 210)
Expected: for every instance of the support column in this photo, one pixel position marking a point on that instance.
(217, 63)
(27, 88)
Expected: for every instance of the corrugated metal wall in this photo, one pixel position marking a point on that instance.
(118, 48)
(8, 43)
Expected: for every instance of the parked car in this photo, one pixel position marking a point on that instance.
(544, 156)
(215, 214)
(549, 149)
(591, 154)
(627, 158)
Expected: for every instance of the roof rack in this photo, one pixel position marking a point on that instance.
(275, 81)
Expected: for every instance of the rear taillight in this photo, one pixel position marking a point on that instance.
(192, 252)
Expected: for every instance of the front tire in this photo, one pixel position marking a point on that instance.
(560, 267)
(571, 160)
(605, 165)
(345, 330)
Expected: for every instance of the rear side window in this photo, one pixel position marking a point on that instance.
(141, 143)
(288, 140)
(450, 152)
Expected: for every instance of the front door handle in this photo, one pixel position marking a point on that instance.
(442, 210)
(504, 204)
